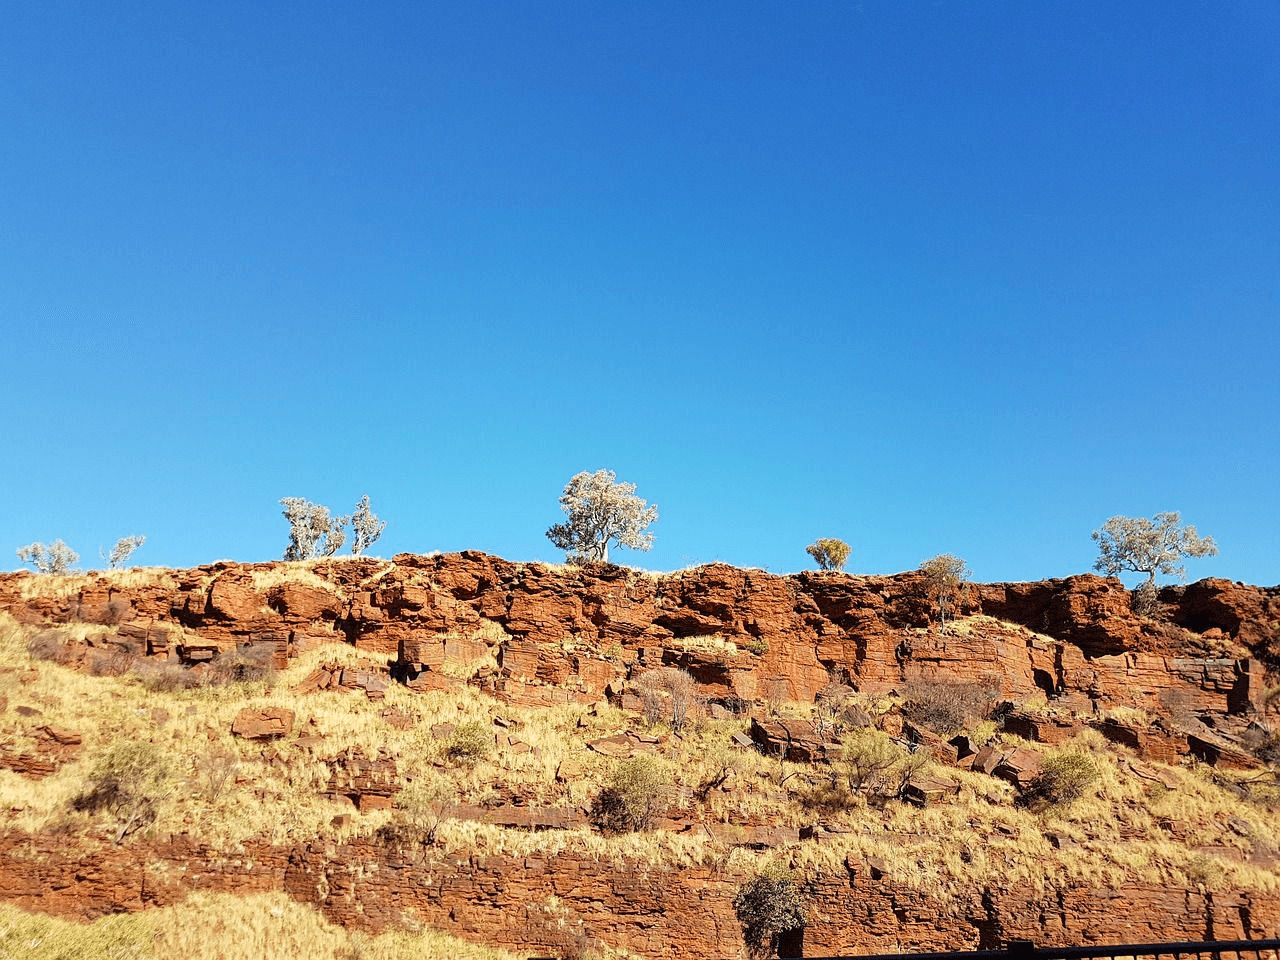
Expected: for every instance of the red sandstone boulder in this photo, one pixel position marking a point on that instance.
(263, 723)
(1018, 766)
(1041, 729)
(232, 597)
(794, 740)
(302, 602)
(369, 782)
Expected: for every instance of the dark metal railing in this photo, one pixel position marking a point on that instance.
(1025, 950)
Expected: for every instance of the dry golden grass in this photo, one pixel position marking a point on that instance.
(266, 576)
(712, 644)
(222, 927)
(70, 585)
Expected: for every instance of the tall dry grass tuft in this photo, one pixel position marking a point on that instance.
(257, 927)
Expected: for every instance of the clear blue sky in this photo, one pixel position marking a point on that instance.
(964, 277)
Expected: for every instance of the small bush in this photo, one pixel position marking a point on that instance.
(635, 795)
(49, 644)
(868, 758)
(945, 579)
(1145, 599)
(1264, 744)
(166, 677)
(117, 612)
(213, 771)
(757, 645)
(469, 743)
(829, 708)
(111, 662)
(420, 807)
(1063, 778)
(666, 694)
(768, 906)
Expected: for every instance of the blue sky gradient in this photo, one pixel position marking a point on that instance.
(964, 277)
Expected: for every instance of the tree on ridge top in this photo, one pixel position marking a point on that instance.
(601, 510)
(1151, 546)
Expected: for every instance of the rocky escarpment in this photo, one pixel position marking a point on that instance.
(534, 634)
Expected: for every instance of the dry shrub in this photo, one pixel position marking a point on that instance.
(117, 612)
(667, 694)
(1145, 600)
(213, 771)
(111, 662)
(829, 709)
(948, 707)
(166, 677)
(560, 933)
(1263, 744)
(50, 644)
(250, 663)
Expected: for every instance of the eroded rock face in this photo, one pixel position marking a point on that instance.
(537, 635)
(1247, 614)
(495, 899)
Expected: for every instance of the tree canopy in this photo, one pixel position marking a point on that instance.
(601, 511)
(1150, 546)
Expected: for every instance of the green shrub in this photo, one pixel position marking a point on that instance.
(470, 743)
(769, 905)
(757, 645)
(636, 793)
(1063, 777)
(420, 808)
(868, 758)
(129, 781)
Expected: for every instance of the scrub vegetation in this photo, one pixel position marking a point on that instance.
(183, 771)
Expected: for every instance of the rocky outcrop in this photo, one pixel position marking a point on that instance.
(538, 635)
(528, 904)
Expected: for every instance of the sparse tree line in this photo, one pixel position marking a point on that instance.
(314, 533)
(602, 511)
(58, 559)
